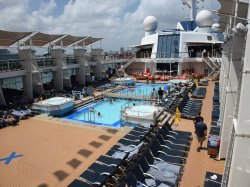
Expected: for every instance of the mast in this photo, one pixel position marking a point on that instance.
(193, 10)
(192, 4)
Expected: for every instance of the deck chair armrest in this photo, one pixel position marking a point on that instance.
(95, 183)
(174, 132)
(153, 166)
(133, 146)
(148, 175)
(105, 173)
(169, 141)
(163, 153)
(166, 146)
(156, 158)
(171, 136)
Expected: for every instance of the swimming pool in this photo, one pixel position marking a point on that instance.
(110, 113)
(142, 89)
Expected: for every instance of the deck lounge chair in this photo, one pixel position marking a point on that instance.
(160, 174)
(102, 169)
(167, 125)
(167, 149)
(156, 152)
(151, 160)
(146, 178)
(175, 140)
(94, 178)
(171, 145)
(77, 183)
(175, 135)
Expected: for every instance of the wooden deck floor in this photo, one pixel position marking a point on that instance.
(199, 162)
(54, 154)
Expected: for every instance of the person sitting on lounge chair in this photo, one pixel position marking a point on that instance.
(10, 120)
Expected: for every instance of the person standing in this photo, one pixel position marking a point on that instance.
(153, 94)
(201, 133)
(160, 93)
(197, 118)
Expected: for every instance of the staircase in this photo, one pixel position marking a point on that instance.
(121, 71)
(214, 75)
(131, 60)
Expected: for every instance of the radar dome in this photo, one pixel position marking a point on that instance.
(150, 23)
(204, 19)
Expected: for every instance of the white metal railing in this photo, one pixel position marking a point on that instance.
(45, 62)
(10, 65)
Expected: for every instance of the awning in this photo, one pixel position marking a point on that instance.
(41, 39)
(8, 38)
(68, 40)
(88, 41)
(141, 46)
(228, 10)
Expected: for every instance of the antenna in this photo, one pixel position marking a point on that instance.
(192, 5)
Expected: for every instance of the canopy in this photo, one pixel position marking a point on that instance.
(40, 39)
(8, 38)
(88, 41)
(68, 40)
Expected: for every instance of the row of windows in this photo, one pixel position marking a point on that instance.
(13, 83)
(168, 46)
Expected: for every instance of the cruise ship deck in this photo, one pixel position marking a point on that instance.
(47, 151)
(56, 151)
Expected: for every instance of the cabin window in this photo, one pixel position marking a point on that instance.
(209, 38)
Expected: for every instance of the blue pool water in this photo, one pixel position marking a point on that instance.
(110, 113)
(142, 89)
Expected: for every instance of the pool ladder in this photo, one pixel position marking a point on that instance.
(90, 115)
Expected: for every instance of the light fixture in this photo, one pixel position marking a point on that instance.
(240, 28)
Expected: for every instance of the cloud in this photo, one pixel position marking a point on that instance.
(119, 22)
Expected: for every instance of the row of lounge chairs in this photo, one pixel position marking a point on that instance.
(12, 117)
(144, 157)
(213, 144)
(199, 93)
(189, 108)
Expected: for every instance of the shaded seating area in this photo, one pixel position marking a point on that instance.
(153, 156)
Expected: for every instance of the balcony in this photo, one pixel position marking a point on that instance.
(71, 60)
(45, 62)
(10, 65)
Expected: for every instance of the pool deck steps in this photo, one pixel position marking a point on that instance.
(167, 117)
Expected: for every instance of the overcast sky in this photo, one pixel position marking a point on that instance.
(119, 22)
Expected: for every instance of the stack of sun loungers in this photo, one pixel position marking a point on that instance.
(216, 103)
(144, 157)
(214, 133)
(189, 108)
